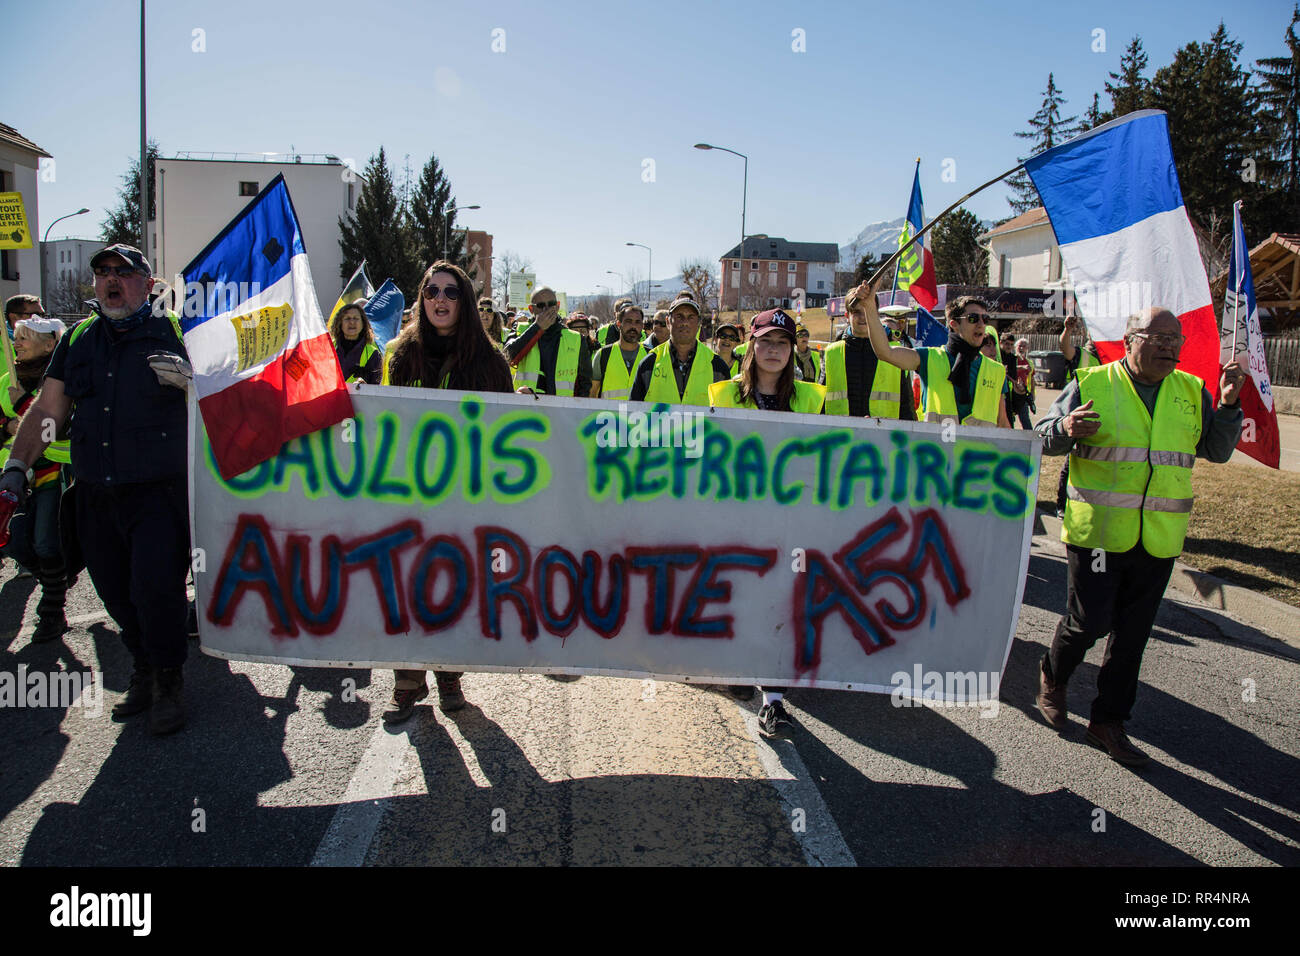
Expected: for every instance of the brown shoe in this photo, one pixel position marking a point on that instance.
(449, 694)
(403, 703)
(1051, 701)
(1110, 737)
(139, 695)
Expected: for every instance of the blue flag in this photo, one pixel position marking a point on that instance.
(929, 330)
(384, 310)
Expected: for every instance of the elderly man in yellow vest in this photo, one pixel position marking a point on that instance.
(857, 383)
(614, 365)
(957, 382)
(1133, 429)
(680, 370)
(548, 358)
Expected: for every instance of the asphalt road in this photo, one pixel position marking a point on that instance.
(285, 766)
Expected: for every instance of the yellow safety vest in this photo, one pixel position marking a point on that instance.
(1087, 359)
(1134, 477)
(808, 397)
(529, 372)
(663, 382)
(816, 360)
(941, 400)
(59, 451)
(366, 352)
(388, 359)
(617, 383)
(886, 398)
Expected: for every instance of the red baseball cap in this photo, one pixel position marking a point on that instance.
(773, 320)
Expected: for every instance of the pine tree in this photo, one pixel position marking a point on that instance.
(1274, 204)
(433, 221)
(123, 222)
(1130, 90)
(1048, 128)
(1211, 122)
(1092, 116)
(377, 231)
(959, 259)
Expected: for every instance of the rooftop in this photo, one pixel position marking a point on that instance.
(772, 247)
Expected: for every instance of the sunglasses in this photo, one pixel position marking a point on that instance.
(540, 306)
(661, 324)
(729, 338)
(1159, 338)
(451, 293)
(486, 308)
(975, 319)
(579, 325)
(120, 271)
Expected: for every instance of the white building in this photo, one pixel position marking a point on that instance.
(20, 158)
(67, 261)
(1023, 253)
(198, 197)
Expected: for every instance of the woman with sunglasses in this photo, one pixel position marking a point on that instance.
(445, 347)
(492, 320)
(725, 340)
(354, 341)
(767, 383)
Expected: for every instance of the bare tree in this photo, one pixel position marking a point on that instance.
(504, 264)
(701, 277)
(69, 295)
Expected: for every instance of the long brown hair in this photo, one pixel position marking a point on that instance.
(749, 378)
(473, 362)
(336, 324)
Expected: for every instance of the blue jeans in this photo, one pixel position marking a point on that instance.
(34, 530)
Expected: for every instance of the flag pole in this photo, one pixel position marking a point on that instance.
(930, 225)
(1236, 302)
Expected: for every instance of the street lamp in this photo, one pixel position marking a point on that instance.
(446, 223)
(651, 272)
(744, 202)
(80, 212)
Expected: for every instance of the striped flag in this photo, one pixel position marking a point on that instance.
(358, 288)
(1240, 331)
(264, 367)
(1114, 202)
(915, 273)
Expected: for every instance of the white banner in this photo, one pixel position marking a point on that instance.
(506, 533)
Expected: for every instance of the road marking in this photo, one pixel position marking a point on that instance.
(821, 840)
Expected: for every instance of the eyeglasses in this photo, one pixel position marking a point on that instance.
(451, 293)
(542, 306)
(660, 324)
(120, 271)
(1161, 338)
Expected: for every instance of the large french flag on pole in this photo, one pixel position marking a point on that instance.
(915, 272)
(1243, 342)
(265, 369)
(1114, 202)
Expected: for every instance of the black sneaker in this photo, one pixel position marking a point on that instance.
(773, 719)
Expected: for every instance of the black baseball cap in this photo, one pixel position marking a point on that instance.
(131, 254)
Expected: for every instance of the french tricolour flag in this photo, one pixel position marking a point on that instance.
(1243, 342)
(1113, 198)
(265, 369)
(915, 272)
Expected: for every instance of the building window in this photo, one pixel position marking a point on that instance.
(735, 280)
(735, 263)
(790, 280)
(245, 188)
(753, 266)
(789, 267)
(350, 206)
(771, 267)
(771, 280)
(821, 284)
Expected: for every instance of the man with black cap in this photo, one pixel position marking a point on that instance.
(120, 378)
(680, 371)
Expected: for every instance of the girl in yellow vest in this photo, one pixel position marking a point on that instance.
(766, 382)
(957, 382)
(34, 531)
(445, 346)
(354, 342)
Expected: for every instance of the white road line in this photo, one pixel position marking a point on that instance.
(362, 808)
(820, 837)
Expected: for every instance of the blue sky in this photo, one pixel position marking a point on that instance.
(550, 136)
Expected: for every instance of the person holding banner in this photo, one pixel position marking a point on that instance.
(615, 365)
(549, 359)
(857, 383)
(1132, 430)
(958, 383)
(354, 342)
(680, 370)
(439, 350)
(123, 375)
(767, 382)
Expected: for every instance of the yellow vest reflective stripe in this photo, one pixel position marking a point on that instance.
(1134, 477)
(529, 372)
(807, 399)
(366, 352)
(663, 381)
(941, 400)
(388, 358)
(886, 398)
(617, 383)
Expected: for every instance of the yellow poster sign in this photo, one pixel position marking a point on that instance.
(261, 334)
(14, 233)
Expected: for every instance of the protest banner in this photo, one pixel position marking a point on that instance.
(519, 289)
(504, 533)
(14, 233)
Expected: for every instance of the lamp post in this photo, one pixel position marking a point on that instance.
(651, 270)
(80, 212)
(446, 223)
(744, 202)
